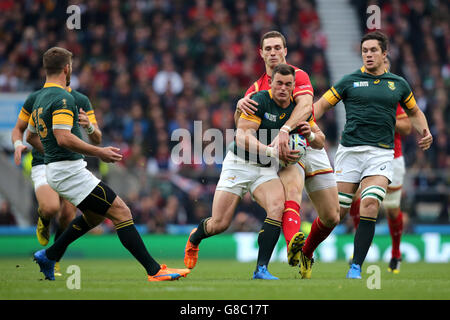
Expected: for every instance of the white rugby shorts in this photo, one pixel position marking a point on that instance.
(71, 179)
(319, 172)
(239, 176)
(352, 164)
(394, 195)
(38, 176)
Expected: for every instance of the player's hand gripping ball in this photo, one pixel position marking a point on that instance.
(297, 142)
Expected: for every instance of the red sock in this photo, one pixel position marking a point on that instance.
(396, 230)
(290, 223)
(354, 212)
(318, 233)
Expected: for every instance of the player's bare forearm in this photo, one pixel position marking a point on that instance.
(319, 138)
(403, 126)
(35, 141)
(418, 120)
(302, 110)
(320, 107)
(246, 137)
(67, 140)
(18, 130)
(312, 133)
(96, 137)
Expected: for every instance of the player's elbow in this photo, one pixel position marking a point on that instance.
(30, 138)
(61, 138)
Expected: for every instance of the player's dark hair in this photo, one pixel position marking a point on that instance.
(55, 59)
(272, 34)
(283, 69)
(383, 40)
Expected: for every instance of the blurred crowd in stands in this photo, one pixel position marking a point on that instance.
(151, 67)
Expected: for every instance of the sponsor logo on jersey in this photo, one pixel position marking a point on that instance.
(377, 81)
(358, 84)
(282, 115)
(270, 117)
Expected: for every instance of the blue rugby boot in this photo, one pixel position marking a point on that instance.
(47, 266)
(354, 272)
(262, 273)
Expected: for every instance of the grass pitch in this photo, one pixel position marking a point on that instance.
(124, 279)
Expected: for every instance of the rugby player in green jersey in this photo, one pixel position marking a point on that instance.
(364, 156)
(249, 166)
(314, 172)
(49, 202)
(55, 131)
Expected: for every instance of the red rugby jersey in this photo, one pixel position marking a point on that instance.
(397, 137)
(302, 83)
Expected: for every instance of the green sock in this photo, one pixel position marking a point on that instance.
(200, 233)
(267, 240)
(363, 239)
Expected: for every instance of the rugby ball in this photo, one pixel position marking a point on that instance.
(296, 142)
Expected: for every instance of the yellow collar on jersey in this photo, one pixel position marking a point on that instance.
(363, 69)
(51, 84)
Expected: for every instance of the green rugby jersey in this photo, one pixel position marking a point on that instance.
(370, 105)
(81, 101)
(55, 108)
(270, 117)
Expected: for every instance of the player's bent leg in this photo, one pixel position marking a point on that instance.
(49, 206)
(270, 196)
(223, 207)
(292, 178)
(327, 206)
(65, 216)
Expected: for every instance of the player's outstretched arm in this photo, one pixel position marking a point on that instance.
(419, 122)
(70, 141)
(320, 107)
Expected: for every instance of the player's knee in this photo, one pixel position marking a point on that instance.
(294, 193)
(371, 198)
(332, 219)
(369, 207)
(119, 211)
